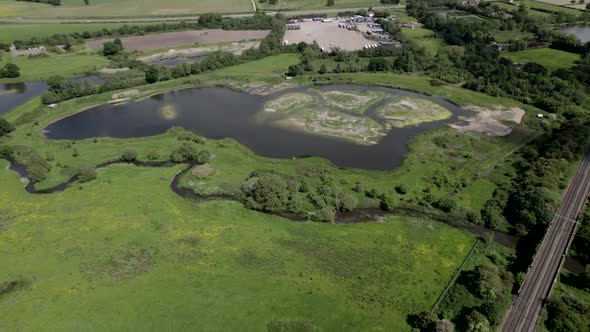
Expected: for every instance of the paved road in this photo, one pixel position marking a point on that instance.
(525, 312)
(171, 18)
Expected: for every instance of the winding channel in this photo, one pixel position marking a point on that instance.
(359, 215)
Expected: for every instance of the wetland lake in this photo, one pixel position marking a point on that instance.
(345, 124)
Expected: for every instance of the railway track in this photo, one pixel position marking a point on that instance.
(525, 312)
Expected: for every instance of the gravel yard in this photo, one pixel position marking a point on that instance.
(328, 35)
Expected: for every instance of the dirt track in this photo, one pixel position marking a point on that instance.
(174, 39)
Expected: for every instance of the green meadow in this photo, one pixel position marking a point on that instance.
(548, 57)
(126, 238)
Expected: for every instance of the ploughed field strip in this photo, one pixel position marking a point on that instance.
(525, 312)
(173, 39)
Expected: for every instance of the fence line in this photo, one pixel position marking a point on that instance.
(452, 282)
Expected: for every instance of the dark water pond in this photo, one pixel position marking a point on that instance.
(220, 113)
(16, 94)
(175, 61)
(580, 31)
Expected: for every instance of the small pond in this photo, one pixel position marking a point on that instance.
(580, 31)
(174, 61)
(15, 94)
(220, 113)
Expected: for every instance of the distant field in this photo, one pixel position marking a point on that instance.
(566, 3)
(41, 68)
(548, 6)
(11, 32)
(316, 4)
(417, 32)
(425, 37)
(122, 8)
(550, 58)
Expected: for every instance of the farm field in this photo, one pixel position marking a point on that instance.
(565, 3)
(122, 8)
(173, 39)
(541, 5)
(43, 67)
(417, 32)
(313, 4)
(425, 38)
(550, 58)
(11, 32)
(513, 7)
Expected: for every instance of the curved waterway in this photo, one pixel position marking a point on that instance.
(352, 217)
(221, 113)
(13, 95)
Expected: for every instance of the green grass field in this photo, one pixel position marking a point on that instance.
(417, 32)
(550, 58)
(66, 65)
(127, 238)
(11, 32)
(512, 7)
(547, 6)
(316, 4)
(122, 8)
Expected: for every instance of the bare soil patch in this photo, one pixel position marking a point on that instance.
(491, 122)
(173, 39)
(234, 47)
